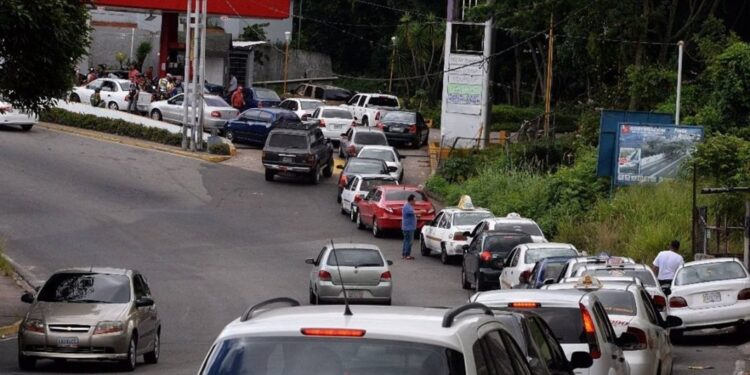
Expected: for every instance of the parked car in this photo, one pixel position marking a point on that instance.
(333, 121)
(711, 293)
(512, 222)
(367, 109)
(359, 166)
(358, 186)
(90, 314)
(10, 116)
(545, 272)
(254, 125)
(445, 234)
(571, 267)
(297, 149)
(361, 266)
(216, 112)
(257, 97)
(521, 260)
(331, 95)
(381, 208)
(485, 256)
(389, 155)
(114, 93)
(405, 127)
(355, 138)
(307, 340)
(640, 271)
(302, 107)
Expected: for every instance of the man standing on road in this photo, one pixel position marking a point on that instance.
(408, 226)
(238, 98)
(667, 262)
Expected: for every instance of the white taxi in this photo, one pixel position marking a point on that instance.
(571, 267)
(630, 309)
(521, 260)
(512, 223)
(445, 234)
(357, 188)
(577, 318)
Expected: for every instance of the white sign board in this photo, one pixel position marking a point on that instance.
(463, 90)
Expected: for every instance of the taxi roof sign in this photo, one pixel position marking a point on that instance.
(465, 203)
(615, 261)
(514, 215)
(589, 282)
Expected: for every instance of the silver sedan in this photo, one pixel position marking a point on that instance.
(365, 272)
(215, 111)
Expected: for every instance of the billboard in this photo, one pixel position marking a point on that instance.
(653, 152)
(277, 9)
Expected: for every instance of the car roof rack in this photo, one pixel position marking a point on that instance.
(249, 312)
(450, 315)
(306, 125)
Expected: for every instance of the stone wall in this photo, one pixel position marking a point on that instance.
(302, 64)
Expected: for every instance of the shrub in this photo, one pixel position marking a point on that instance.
(219, 149)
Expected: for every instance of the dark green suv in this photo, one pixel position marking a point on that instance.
(298, 149)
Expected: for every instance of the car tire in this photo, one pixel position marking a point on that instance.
(387, 302)
(156, 115)
(343, 211)
(360, 224)
(26, 363)
(401, 178)
(113, 106)
(315, 176)
(269, 175)
(416, 143)
(444, 257)
(478, 283)
(26, 127)
(365, 122)
(128, 364)
(426, 138)
(464, 283)
(423, 249)
(152, 357)
(376, 232)
(675, 335)
(328, 170)
(229, 135)
(75, 98)
(313, 298)
(339, 190)
(352, 214)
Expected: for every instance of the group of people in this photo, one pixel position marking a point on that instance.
(163, 88)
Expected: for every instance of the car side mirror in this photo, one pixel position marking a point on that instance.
(581, 360)
(27, 297)
(310, 261)
(548, 281)
(465, 248)
(389, 262)
(672, 321)
(392, 169)
(626, 340)
(339, 167)
(144, 302)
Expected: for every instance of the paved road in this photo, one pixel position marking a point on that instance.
(211, 239)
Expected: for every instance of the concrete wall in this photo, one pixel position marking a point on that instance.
(302, 64)
(107, 41)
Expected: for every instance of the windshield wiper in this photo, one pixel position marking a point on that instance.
(87, 301)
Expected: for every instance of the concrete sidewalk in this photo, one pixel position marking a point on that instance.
(12, 309)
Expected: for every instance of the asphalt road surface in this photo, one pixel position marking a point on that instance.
(211, 239)
(665, 168)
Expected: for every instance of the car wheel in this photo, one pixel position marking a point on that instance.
(464, 284)
(444, 258)
(25, 362)
(365, 122)
(313, 298)
(401, 178)
(478, 283)
(229, 135)
(128, 364)
(387, 302)
(360, 224)
(338, 194)
(26, 127)
(352, 214)
(156, 115)
(426, 138)
(375, 230)
(269, 174)
(676, 335)
(343, 211)
(152, 357)
(328, 170)
(315, 176)
(423, 249)
(416, 143)
(75, 98)
(113, 106)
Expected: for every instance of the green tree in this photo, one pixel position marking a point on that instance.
(255, 32)
(41, 42)
(141, 53)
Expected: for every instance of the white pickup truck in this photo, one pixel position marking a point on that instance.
(367, 109)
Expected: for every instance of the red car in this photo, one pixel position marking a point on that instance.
(381, 208)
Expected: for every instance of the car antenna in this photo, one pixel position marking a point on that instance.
(347, 311)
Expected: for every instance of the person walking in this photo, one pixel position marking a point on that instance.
(667, 262)
(133, 97)
(238, 98)
(408, 226)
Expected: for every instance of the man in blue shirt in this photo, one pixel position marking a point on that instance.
(408, 226)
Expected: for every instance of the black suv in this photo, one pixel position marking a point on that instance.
(294, 149)
(484, 256)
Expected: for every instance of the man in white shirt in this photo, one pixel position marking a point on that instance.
(667, 262)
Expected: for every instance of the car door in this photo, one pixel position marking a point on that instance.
(350, 190)
(428, 231)
(85, 93)
(496, 353)
(550, 353)
(471, 259)
(146, 321)
(107, 92)
(316, 267)
(611, 353)
(247, 127)
(321, 147)
(352, 104)
(367, 210)
(172, 111)
(360, 109)
(656, 334)
(442, 232)
(506, 277)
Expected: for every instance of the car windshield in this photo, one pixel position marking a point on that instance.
(365, 167)
(647, 278)
(469, 218)
(356, 258)
(565, 322)
(535, 255)
(330, 356)
(310, 104)
(380, 154)
(336, 113)
(288, 141)
(404, 117)
(371, 183)
(403, 195)
(215, 102)
(617, 302)
(383, 101)
(266, 94)
(86, 288)
(528, 228)
(502, 244)
(707, 272)
(370, 138)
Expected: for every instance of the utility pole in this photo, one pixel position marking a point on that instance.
(194, 84)
(393, 61)
(299, 25)
(287, 38)
(548, 88)
(201, 74)
(185, 77)
(680, 47)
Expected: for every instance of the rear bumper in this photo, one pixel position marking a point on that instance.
(213, 123)
(334, 135)
(490, 276)
(401, 137)
(16, 119)
(716, 317)
(455, 247)
(287, 168)
(328, 292)
(394, 223)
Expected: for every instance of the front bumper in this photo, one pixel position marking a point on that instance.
(286, 168)
(90, 347)
(716, 317)
(328, 292)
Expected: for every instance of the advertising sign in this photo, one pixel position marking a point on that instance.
(653, 152)
(464, 86)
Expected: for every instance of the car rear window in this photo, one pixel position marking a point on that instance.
(385, 155)
(310, 104)
(86, 288)
(469, 218)
(288, 141)
(617, 302)
(356, 258)
(370, 138)
(535, 255)
(266, 94)
(552, 270)
(646, 277)
(383, 101)
(365, 167)
(216, 102)
(403, 195)
(528, 228)
(406, 117)
(327, 355)
(371, 183)
(336, 113)
(565, 322)
(502, 243)
(707, 272)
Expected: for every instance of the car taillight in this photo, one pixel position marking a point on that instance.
(333, 332)
(459, 236)
(343, 180)
(413, 129)
(744, 294)
(351, 150)
(216, 114)
(322, 123)
(385, 276)
(590, 329)
(642, 339)
(377, 116)
(524, 276)
(324, 275)
(677, 302)
(660, 302)
(485, 256)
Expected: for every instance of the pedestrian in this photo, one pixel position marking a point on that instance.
(133, 73)
(408, 226)
(667, 262)
(238, 98)
(133, 98)
(232, 84)
(96, 98)
(91, 76)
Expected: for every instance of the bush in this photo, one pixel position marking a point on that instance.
(219, 149)
(509, 118)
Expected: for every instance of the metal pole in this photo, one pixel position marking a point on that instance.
(680, 46)
(194, 83)
(747, 233)
(287, 38)
(693, 234)
(486, 111)
(185, 86)
(393, 60)
(299, 25)
(202, 71)
(132, 41)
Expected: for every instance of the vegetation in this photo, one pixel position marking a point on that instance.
(255, 32)
(141, 53)
(219, 149)
(5, 267)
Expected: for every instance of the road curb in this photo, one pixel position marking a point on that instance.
(24, 279)
(10, 330)
(134, 142)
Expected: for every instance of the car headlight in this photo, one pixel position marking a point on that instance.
(106, 327)
(34, 325)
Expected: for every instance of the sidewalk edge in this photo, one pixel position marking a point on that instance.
(24, 280)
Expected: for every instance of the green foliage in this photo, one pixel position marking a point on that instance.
(121, 57)
(650, 83)
(509, 118)
(255, 32)
(725, 159)
(40, 44)
(141, 53)
(219, 149)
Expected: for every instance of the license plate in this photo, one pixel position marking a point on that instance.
(336, 127)
(396, 130)
(711, 297)
(67, 342)
(286, 160)
(355, 294)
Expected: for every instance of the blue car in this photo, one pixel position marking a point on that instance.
(257, 97)
(548, 270)
(253, 125)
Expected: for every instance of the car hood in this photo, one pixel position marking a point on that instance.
(78, 313)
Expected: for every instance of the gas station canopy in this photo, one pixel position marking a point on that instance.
(274, 9)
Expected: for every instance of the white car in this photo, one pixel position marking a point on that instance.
(216, 111)
(521, 260)
(358, 186)
(577, 318)
(114, 92)
(367, 109)
(571, 267)
(513, 222)
(631, 310)
(389, 155)
(302, 107)
(445, 235)
(333, 121)
(10, 116)
(711, 293)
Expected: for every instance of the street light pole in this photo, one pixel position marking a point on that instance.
(287, 38)
(186, 75)
(680, 46)
(393, 61)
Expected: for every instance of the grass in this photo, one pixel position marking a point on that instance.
(5, 267)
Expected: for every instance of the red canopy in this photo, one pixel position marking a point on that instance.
(278, 9)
